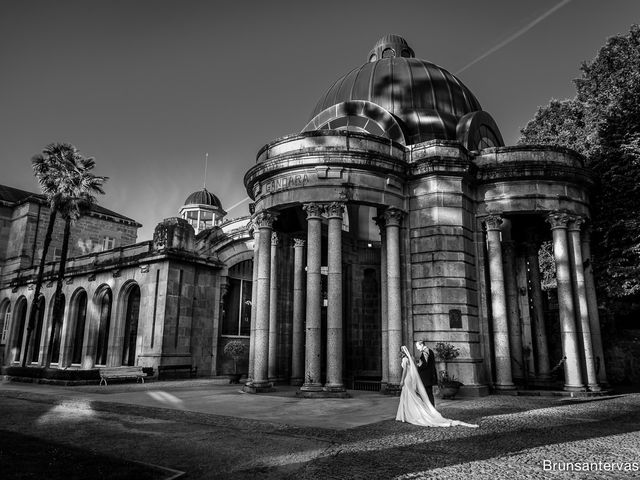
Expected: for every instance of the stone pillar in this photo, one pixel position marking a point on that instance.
(312, 380)
(513, 312)
(384, 327)
(571, 352)
(254, 300)
(260, 381)
(392, 220)
(297, 349)
(334, 381)
(582, 309)
(502, 350)
(273, 310)
(543, 370)
(592, 304)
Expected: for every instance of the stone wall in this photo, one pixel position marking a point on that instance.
(22, 245)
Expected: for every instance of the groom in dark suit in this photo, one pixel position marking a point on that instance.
(427, 369)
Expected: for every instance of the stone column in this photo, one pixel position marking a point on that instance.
(392, 220)
(260, 382)
(539, 329)
(592, 304)
(384, 327)
(571, 352)
(513, 312)
(334, 381)
(273, 310)
(297, 350)
(254, 299)
(582, 309)
(502, 350)
(312, 380)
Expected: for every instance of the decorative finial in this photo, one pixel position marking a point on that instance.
(206, 161)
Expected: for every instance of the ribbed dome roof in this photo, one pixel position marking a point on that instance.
(203, 197)
(427, 100)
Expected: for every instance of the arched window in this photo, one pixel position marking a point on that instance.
(131, 326)
(78, 330)
(55, 346)
(37, 335)
(236, 302)
(5, 317)
(388, 53)
(104, 307)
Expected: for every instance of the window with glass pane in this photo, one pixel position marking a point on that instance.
(231, 311)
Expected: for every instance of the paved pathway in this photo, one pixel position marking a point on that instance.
(213, 431)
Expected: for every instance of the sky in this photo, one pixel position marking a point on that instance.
(148, 87)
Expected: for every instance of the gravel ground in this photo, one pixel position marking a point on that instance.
(519, 437)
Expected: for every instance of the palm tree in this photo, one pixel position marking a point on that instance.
(66, 180)
(78, 196)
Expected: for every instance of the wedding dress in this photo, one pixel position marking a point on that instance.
(415, 406)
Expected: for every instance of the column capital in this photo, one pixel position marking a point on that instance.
(392, 217)
(576, 223)
(299, 242)
(558, 219)
(275, 238)
(334, 209)
(313, 210)
(265, 219)
(493, 222)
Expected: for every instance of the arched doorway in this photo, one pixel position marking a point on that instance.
(131, 326)
(37, 336)
(80, 315)
(20, 318)
(57, 326)
(104, 301)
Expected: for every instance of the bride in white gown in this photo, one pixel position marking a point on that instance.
(414, 404)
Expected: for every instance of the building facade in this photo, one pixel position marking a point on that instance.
(401, 216)
(397, 214)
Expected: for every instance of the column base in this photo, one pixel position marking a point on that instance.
(574, 388)
(392, 389)
(594, 387)
(505, 386)
(263, 387)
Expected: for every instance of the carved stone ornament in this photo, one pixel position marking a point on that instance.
(393, 217)
(144, 268)
(265, 219)
(69, 281)
(116, 273)
(299, 242)
(493, 222)
(92, 277)
(275, 239)
(576, 223)
(334, 209)
(558, 219)
(313, 210)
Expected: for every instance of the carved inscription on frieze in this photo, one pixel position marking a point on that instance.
(284, 183)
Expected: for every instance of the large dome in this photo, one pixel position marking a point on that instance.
(424, 99)
(203, 197)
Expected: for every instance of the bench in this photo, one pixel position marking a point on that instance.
(164, 369)
(121, 373)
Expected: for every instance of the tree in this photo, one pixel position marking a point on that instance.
(66, 180)
(603, 123)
